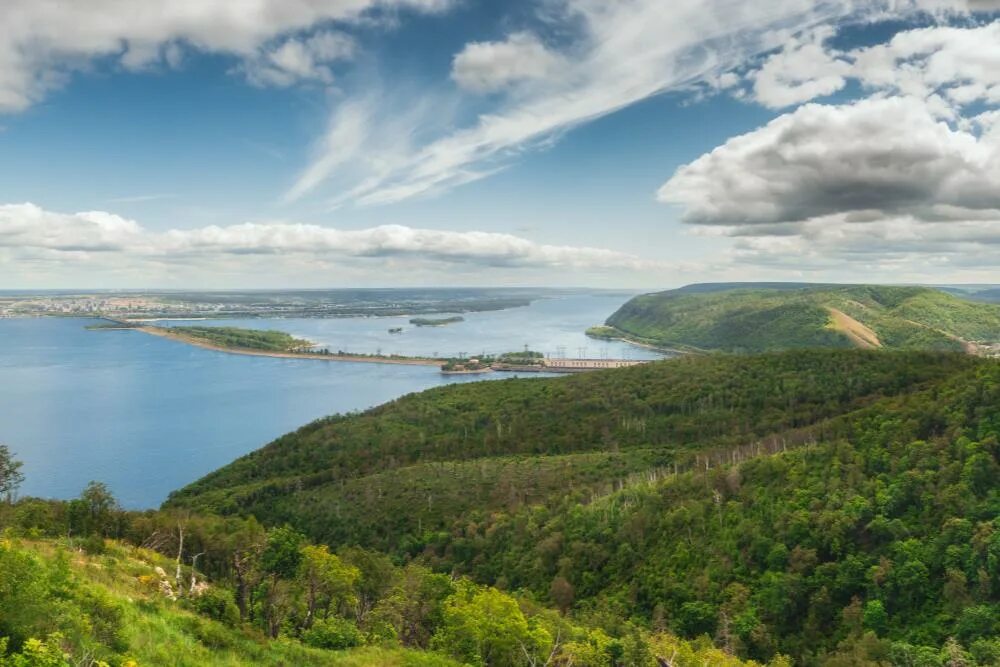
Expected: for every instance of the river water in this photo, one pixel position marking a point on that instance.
(147, 415)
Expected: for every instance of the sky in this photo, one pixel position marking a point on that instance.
(630, 144)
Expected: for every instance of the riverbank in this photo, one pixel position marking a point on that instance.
(609, 333)
(165, 332)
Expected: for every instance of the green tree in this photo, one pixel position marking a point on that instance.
(486, 627)
(327, 580)
(11, 477)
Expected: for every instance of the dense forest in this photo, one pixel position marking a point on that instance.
(833, 507)
(84, 582)
(762, 318)
(836, 507)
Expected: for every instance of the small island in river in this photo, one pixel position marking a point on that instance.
(268, 343)
(436, 322)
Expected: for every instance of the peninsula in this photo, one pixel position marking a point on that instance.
(265, 343)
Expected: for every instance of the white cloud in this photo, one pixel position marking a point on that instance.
(28, 232)
(802, 71)
(491, 66)
(623, 52)
(881, 186)
(295, 60)
(42, 42)
(950, 66)
(881, 156)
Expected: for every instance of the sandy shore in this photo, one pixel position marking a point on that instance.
(405, 361)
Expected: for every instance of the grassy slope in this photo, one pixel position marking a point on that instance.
(102, 608)
(394, 476)
(760, 319)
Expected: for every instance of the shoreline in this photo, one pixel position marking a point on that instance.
(163, 332)
(623, 337)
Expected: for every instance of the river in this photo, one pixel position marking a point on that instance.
(147, 415)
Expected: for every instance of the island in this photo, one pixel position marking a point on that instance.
(269, 343)
(436, 322)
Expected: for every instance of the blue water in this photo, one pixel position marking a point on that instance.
(552, 326)
(147, 415)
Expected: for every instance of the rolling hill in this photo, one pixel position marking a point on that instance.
(835, 506)
(756, 318)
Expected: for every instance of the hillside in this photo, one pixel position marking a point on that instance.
(393, 476)
(735, 318)
(62, 605)
(835, 506)
(85, 600)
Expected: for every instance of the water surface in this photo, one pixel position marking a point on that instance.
(147, 415)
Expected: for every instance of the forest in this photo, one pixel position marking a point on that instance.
(737, 318)
(818, 507)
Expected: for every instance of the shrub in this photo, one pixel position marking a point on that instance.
(333, 633)
(217, 603)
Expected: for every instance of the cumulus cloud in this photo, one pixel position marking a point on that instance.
(881, 185)
(802, 71)
(491, 66)
(951, 67)
(27, 230)
(882, 156)
(295, 60)
(42, 43)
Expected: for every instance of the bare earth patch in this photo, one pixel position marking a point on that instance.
(859, 334)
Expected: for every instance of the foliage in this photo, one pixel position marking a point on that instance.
(395, 476)
(11, 476)
(741, 319)
(243, 339)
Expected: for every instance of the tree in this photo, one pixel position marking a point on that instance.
(486, 627)
(10, 474)
(328, 582)
(94, 511)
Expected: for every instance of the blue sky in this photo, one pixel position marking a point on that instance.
(548, 142)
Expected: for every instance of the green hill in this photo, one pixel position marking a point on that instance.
(734, 318)
(835, 506)
(839, 507)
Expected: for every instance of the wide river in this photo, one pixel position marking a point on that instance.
(147, 415)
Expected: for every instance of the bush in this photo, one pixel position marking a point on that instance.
(217, 604)
(333, 633)
(93, 545)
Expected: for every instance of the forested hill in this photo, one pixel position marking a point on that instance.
(392, 476)
(755, 318)
(824, 502)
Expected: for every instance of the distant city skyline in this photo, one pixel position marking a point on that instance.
(638, 144)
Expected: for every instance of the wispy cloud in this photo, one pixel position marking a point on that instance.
(139, 198)
(623, 52)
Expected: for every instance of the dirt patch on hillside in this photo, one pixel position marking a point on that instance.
(859, 334)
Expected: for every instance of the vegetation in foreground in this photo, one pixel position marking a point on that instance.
(838, 507)
(834, 507)
(756, 319)
(179, 589)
